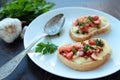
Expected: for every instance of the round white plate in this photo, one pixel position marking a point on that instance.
(51, 63)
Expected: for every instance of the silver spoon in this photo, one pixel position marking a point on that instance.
(52, 27)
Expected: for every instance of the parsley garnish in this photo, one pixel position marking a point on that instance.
(87, 47)
(99, 43)
(22, 9)
(81, 24)
(77, 31)
(90, 18)
(74, 51)
(46, 48)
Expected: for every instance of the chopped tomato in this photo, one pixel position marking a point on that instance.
(95, 18)
(86, 29)
(92, 42)
(97, 22)
(98, 49)
(78, 45)
(91, 24)
(92, 58)
(62, 49)
(82, 19)
(76, 22)
(87, 25)
(64, 54)
(69, 55)
(81, 54)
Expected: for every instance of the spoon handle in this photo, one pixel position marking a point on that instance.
(10, 66)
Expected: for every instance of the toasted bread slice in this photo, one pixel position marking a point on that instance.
(84, 56)
(88, 28)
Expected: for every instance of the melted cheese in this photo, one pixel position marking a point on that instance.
(80, 60)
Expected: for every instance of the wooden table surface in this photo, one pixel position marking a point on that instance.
(27, 70)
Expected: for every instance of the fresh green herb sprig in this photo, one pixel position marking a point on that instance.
(99, 43)
(90, 18)
(74, 51)
(87, 47)
(81, 24)
(45, 48)
(25, 10)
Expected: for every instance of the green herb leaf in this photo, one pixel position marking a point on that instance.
(25, 9)
(74, 51)
(99, 43)
(77, 31)
(81, 24)
(90, 18)
(85, 48)
(46, 48)
(91, 47)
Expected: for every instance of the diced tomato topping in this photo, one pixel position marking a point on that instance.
(81, 54)
(95, 18)
(92, 58)
(97, 22)
(69, 55)
(86, 29)
(78, 45)
(64, 54)
(92, 42)
(61, 49)
(87, 25)
(82, 19)
(64, 49)
(98, 49)
(68, 49)
(76, 22)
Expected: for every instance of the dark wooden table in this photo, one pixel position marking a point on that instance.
(27, 70)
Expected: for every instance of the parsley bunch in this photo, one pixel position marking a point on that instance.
(25, 10)
(46, 48)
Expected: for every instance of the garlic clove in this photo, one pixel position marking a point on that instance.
(10, 28)
(23, 32)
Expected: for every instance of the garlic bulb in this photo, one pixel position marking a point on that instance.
(10, 28)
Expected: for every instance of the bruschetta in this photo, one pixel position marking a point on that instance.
(85, 27)
(86, 55)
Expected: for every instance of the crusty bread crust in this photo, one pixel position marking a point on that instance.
(84, 37)
(88, 65)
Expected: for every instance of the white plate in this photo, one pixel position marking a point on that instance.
(51, 63)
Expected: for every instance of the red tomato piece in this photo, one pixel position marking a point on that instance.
(97, 22)
(92, 58)
(98, 49)
(81, 54)
(62, 49)
(69, 56)
(76, 22)
(95, 18)
(64, 54)
(86, 29)
(92, 42)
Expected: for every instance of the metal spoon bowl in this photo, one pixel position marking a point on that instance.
(52, 27)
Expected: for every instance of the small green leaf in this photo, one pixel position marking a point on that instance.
(46, 48)
(90, 18)
(99, 43)
(77, 31)
(74, 51)
(85, 48)
(81, 24)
